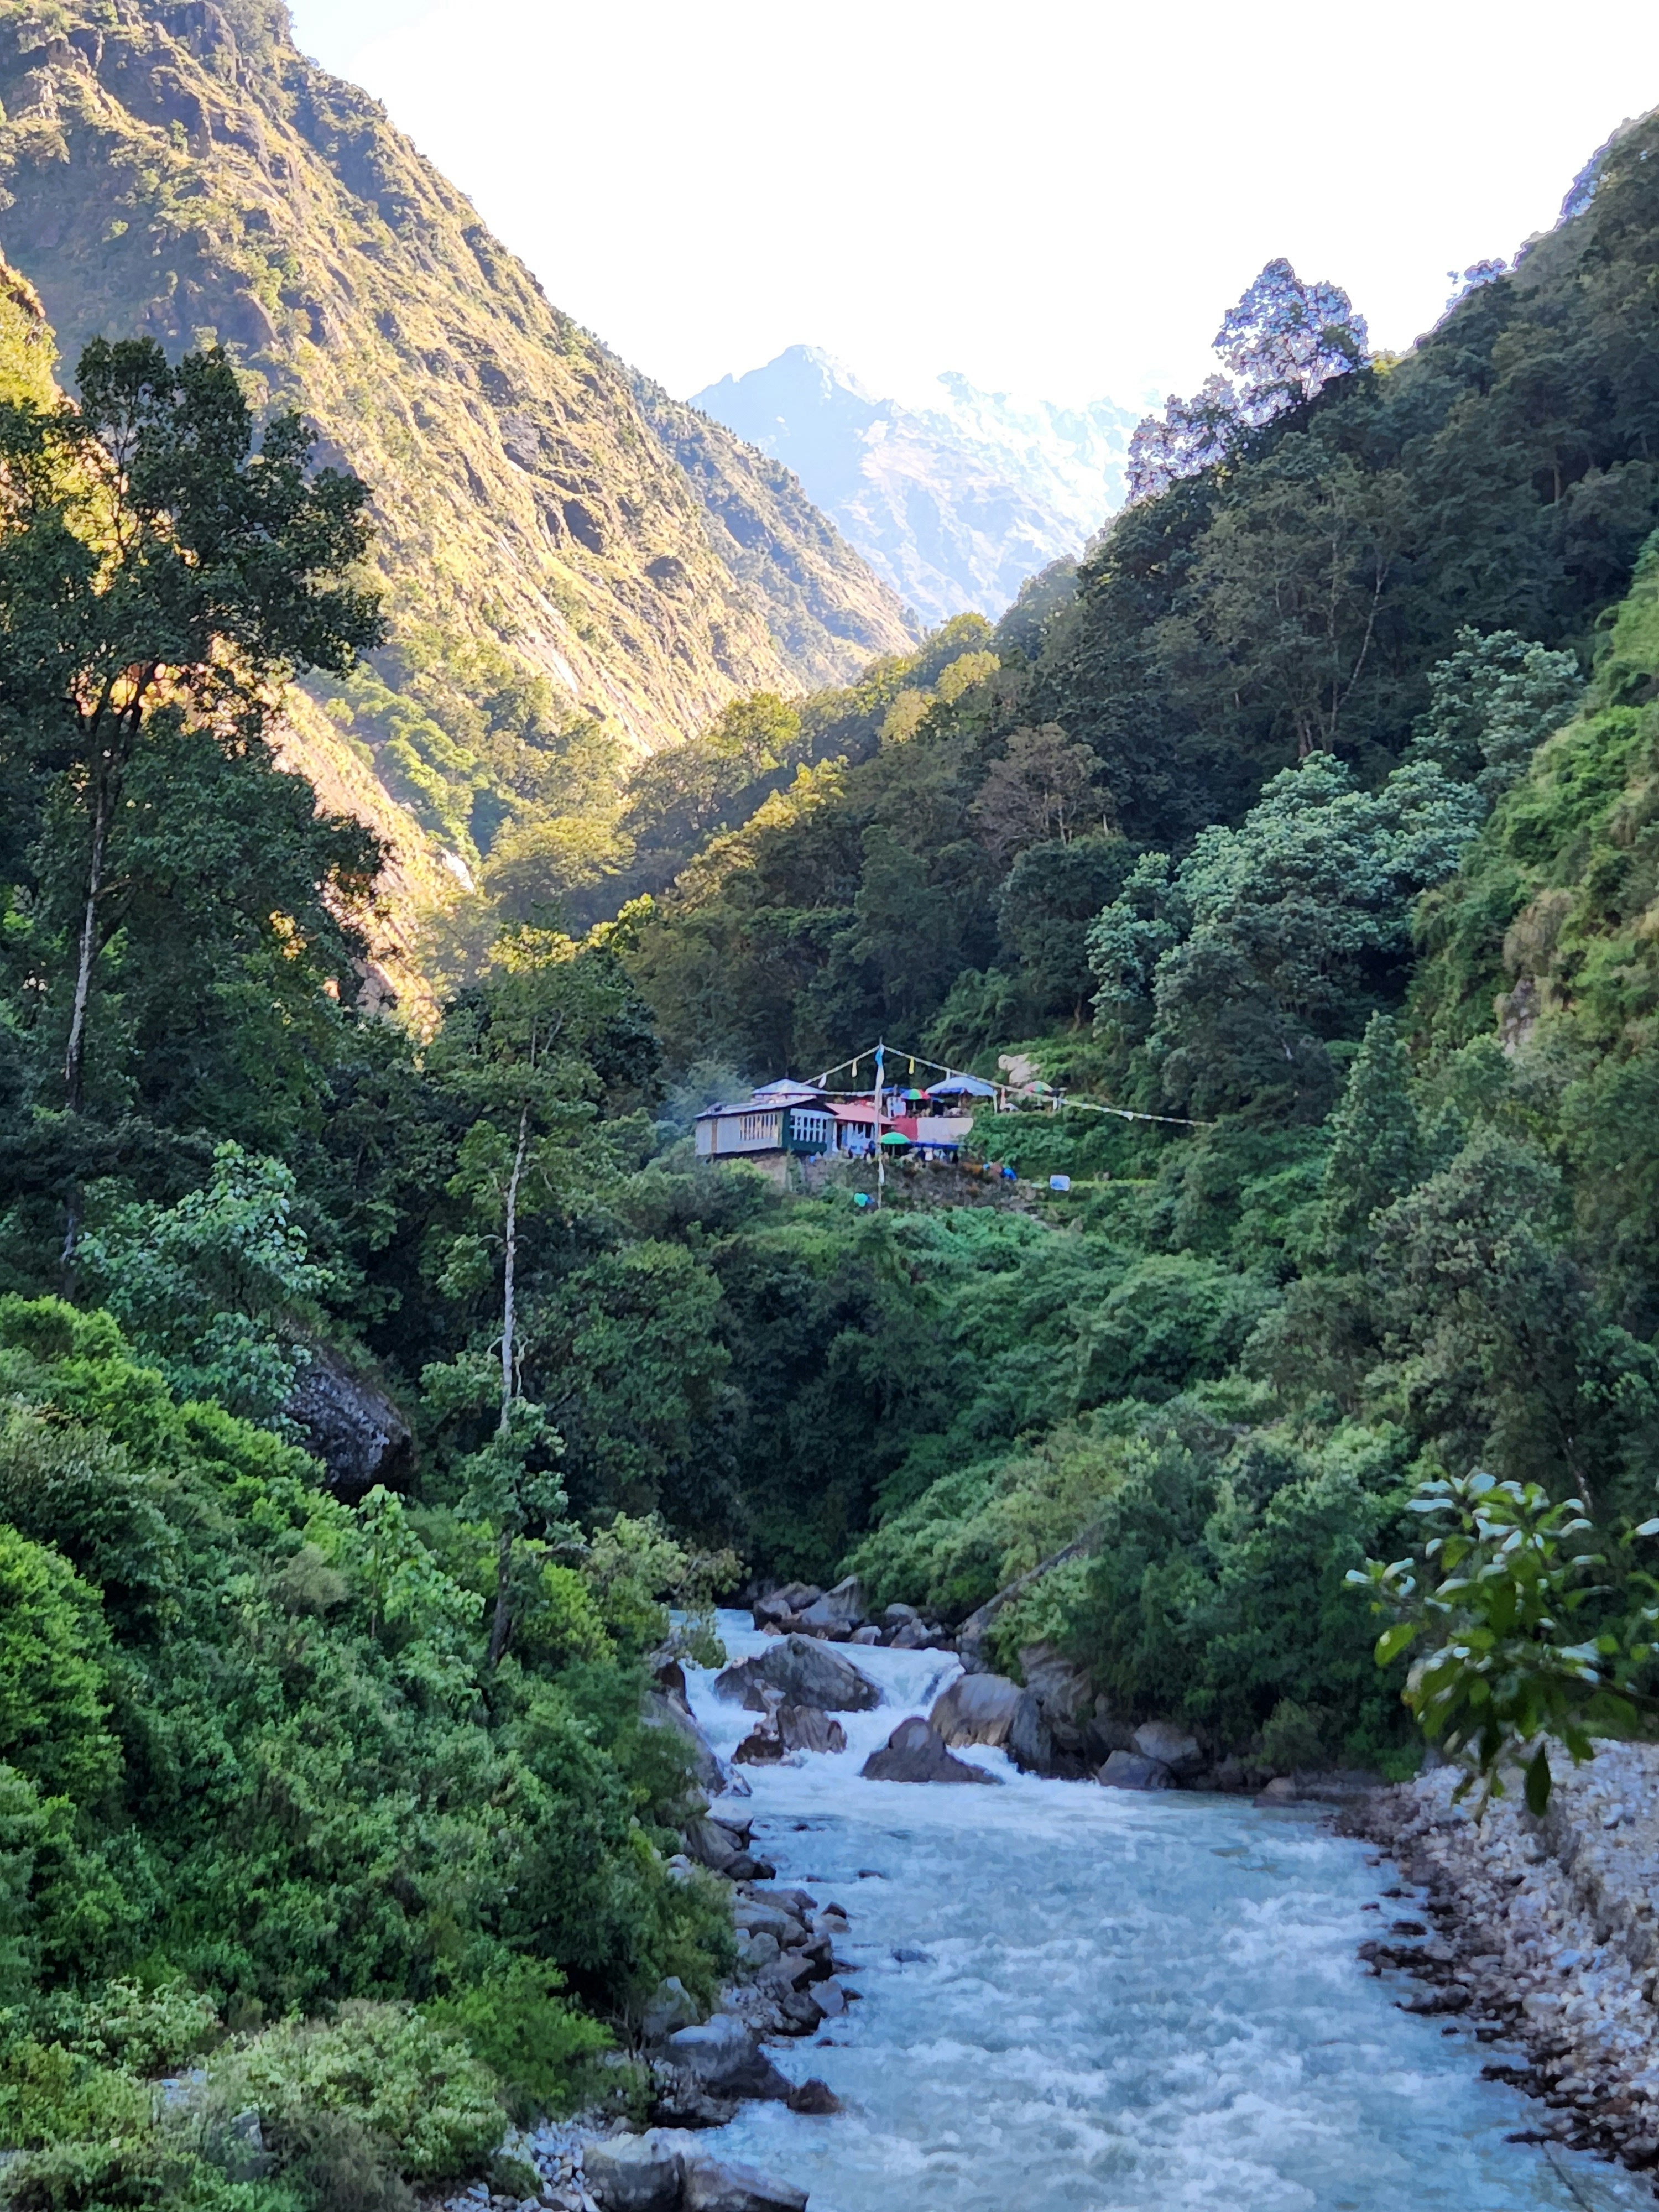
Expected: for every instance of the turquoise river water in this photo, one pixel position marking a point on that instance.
(1125, 2003)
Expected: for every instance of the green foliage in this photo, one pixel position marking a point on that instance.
(410, 2085)
(1271, 940)
(1488, 1609)
(1377, 1151)
(517, 2024)
(211, 1289)
(53, 1675)
(1491, 703)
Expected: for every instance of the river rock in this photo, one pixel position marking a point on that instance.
(1171, 1746)
(723, 2057)
(661, 1709)
(751, 1915)
(1031, 1745)
(895, 1616)
(1063, 1690)
(781, 1605)
(671, 2007)
(762, 1746)
(638, 2173)
(805, 1673)
(1132, 1769)
(352, 1427)
(710, 1844)
(868, 1634)
(917, 1753)
(715, 2186)
(803, 1728)
(977, 1708)
(991, 1710)
(839, 1611)
(917, 1636)
(815, 2098)
(800, 1904)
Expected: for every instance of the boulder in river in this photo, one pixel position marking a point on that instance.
(991, 1710)
(1175, 1747)
(781, 1605)
(719, 2186)
(917, 1636)
(977, 1708)
(917, 1753)
(638, 2173)
(804, 1728)
(838, 1611)
(1132, 1769)
(1063, 1690)
(805, 1673)
(723, 2057)
(661, 1709)
(672, 2007)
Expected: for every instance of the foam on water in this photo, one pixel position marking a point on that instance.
(1129, 2003)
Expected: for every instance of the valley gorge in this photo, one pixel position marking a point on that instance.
(660, 1200)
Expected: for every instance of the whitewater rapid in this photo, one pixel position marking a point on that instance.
(1124, 2003)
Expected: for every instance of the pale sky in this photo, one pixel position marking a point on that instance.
(1059, 197)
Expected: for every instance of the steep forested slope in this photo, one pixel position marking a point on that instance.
(560, 587)
(1287, 592)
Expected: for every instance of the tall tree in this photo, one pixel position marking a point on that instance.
(162, 571)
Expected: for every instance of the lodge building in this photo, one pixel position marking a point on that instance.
(784, 1120)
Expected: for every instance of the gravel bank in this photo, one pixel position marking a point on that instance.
(1544, 1933)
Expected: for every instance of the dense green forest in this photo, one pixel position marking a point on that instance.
(1314, 808)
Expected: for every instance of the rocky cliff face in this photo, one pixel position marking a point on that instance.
(954, 504)
(181, 171)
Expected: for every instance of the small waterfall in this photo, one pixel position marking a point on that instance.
(1111, 2002)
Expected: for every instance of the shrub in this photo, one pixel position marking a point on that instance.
(52, 1675)
(414, 2089)
(540, 2047)
(147, 2032)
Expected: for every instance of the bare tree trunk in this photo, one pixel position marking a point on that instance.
(501, 1626)
(75, 1051)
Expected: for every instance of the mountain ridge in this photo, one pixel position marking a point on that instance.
(956, 504)
(557, 595)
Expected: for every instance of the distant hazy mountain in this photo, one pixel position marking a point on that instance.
(955, 505)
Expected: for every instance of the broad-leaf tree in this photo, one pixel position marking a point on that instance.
(164, 567)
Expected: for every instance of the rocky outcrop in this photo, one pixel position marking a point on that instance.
(664, 1706)
(1173, 1746)
(803, 1672)
(352, 1426)
(541, 514)
(917, 1753)
(667, 2170)
(1132, 1769)
(841, 1615)
(971, 1636)
(838, 1612)
(724, 2057)
(989, 1709)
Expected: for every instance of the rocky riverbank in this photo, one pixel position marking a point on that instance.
(1542, 1934)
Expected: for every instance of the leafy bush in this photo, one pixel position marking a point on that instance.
(539, 2047)
(53, 1682)
(413, 2088)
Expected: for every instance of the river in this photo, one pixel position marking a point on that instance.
(1125, 2004)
